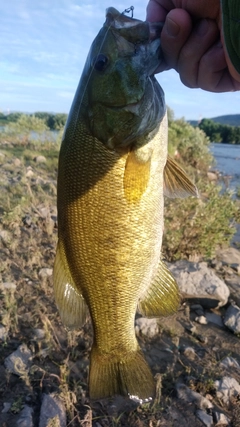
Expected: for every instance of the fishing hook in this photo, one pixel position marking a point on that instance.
(129, 10)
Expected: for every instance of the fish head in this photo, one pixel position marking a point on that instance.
(123, 100)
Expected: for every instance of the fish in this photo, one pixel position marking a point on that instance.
(113, 171)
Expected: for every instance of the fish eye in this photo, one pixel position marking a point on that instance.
(100, 62)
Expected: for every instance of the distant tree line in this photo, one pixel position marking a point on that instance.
(217, 132)
(52, 121)
(220, 133)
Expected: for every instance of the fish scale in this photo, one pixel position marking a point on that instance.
(113, 167)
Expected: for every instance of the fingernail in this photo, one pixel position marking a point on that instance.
(202, 27)
(172, 28)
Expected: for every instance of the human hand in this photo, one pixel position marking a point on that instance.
(192, 42)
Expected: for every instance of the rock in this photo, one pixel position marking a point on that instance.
(17, 162)
(201, 319)
(207, 302)
(214, 318)
(233, 283)
(232, 318)
(147, 327)
(206, 419)
(228, 270)
(10, 286)
(229, 256)
(217, 265)
(3, 333)
(42, 208)
(54, 218)
(229, 362)
(189, 352)
(38, 333)
(52, 409)
(236, 267)
(45, 272)
(6, 407)
(29, 173)
(212, 176)
(198, 309)
(202, 338)
(185, 393)
(5, 236)
(191, 328)
(40, 159)
(25, 419)
(226, 388)
(44, 212)
(220, 419)
(19, 361)
(27, 221)
(197, 279)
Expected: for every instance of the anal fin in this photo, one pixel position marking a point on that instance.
(71, 304)
(162, 297)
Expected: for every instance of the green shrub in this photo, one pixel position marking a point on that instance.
(26, 124)
(196, 226)
(191, 144)
(29, 130)
(199, 226)
(238, 191)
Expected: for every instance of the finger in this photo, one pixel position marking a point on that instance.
(157, 12)
(204, 35)
(174, 35)
(213, 74)
(197, 9)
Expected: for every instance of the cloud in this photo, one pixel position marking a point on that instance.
(43, 49)
(66, 95)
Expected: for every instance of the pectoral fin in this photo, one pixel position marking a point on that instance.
(162, 297)
(176, 182)
(136, 177)
(71, 304)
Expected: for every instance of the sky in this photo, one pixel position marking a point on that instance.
(43, 48)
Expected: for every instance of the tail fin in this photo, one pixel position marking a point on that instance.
(127, 375)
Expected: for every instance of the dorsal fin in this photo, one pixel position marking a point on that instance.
(176, 182)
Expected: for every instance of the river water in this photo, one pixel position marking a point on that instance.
(227, 157)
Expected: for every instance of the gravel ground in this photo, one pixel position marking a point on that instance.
(194, 356)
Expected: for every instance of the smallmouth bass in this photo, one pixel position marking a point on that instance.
(113, 171)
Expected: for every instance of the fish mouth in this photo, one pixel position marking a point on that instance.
(129, 106)
(133, 107)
